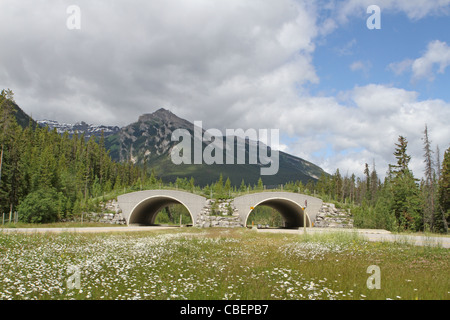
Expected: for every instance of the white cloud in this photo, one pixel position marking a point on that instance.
(435, 59)
(438, 53)
(230, 63)
(414, 9)
(195, 57)
(364, 128)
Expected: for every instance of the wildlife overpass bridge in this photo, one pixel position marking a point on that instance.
(142, 207)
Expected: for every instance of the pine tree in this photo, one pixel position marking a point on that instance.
(13, 185)
(153, 180)
(405, 193)
(37, 159)
(367, 174)
(337, 182)
(260, 184)
(438, 163)
(352, 188)
(429, 185)
(102, 158)
(227, 188)
(218, 188)
(444, 194)
(402, 157)
(243, 187)
(323, 185)
(191, 184)
(7, 111)
(374, 185)
(17, 185)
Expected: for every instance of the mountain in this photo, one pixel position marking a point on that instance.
(149, 139)
(21, 117)
(80, 127)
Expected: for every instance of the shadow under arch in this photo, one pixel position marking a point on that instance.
(145, 212)
(291, 212)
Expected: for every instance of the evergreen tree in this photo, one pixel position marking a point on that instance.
(11, 170)
(366, 191)
(191, 184)
(153, 180)
(444, 195)
(36, 159)
(243, 187)
(438, 163)
(405, 193)
(218, 188)
(338, 184)
(227, 188)
(374, 185)
(429, 185)
(352, 188)
(260, 185)
(402, 157)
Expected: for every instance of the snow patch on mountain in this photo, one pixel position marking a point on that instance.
(79, 127)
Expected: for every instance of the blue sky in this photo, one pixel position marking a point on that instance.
(339, 93)
(398, 39)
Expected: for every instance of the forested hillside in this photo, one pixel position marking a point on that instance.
(61, 173)
(46, 177)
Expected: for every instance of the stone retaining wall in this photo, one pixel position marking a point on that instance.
(219, 213)
(331, 217)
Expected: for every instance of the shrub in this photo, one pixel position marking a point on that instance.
(41, 206)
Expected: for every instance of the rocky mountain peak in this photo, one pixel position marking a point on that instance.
(166, 118)
(160, 114)
(163, 112)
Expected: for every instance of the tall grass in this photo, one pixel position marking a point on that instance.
(190, 263)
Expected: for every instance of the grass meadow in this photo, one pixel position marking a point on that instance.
(197, 264)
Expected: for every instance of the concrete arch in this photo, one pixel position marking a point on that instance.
(145, 212)
(290, 205)
(141, 208)
(291, 212)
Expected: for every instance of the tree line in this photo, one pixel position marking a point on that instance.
(400, 202)
(46, 177)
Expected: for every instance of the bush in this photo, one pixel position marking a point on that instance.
(42, 206)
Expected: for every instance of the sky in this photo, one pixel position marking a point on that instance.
(340, 93)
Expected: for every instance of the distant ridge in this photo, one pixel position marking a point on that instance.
(149, 141)
(79, 127)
